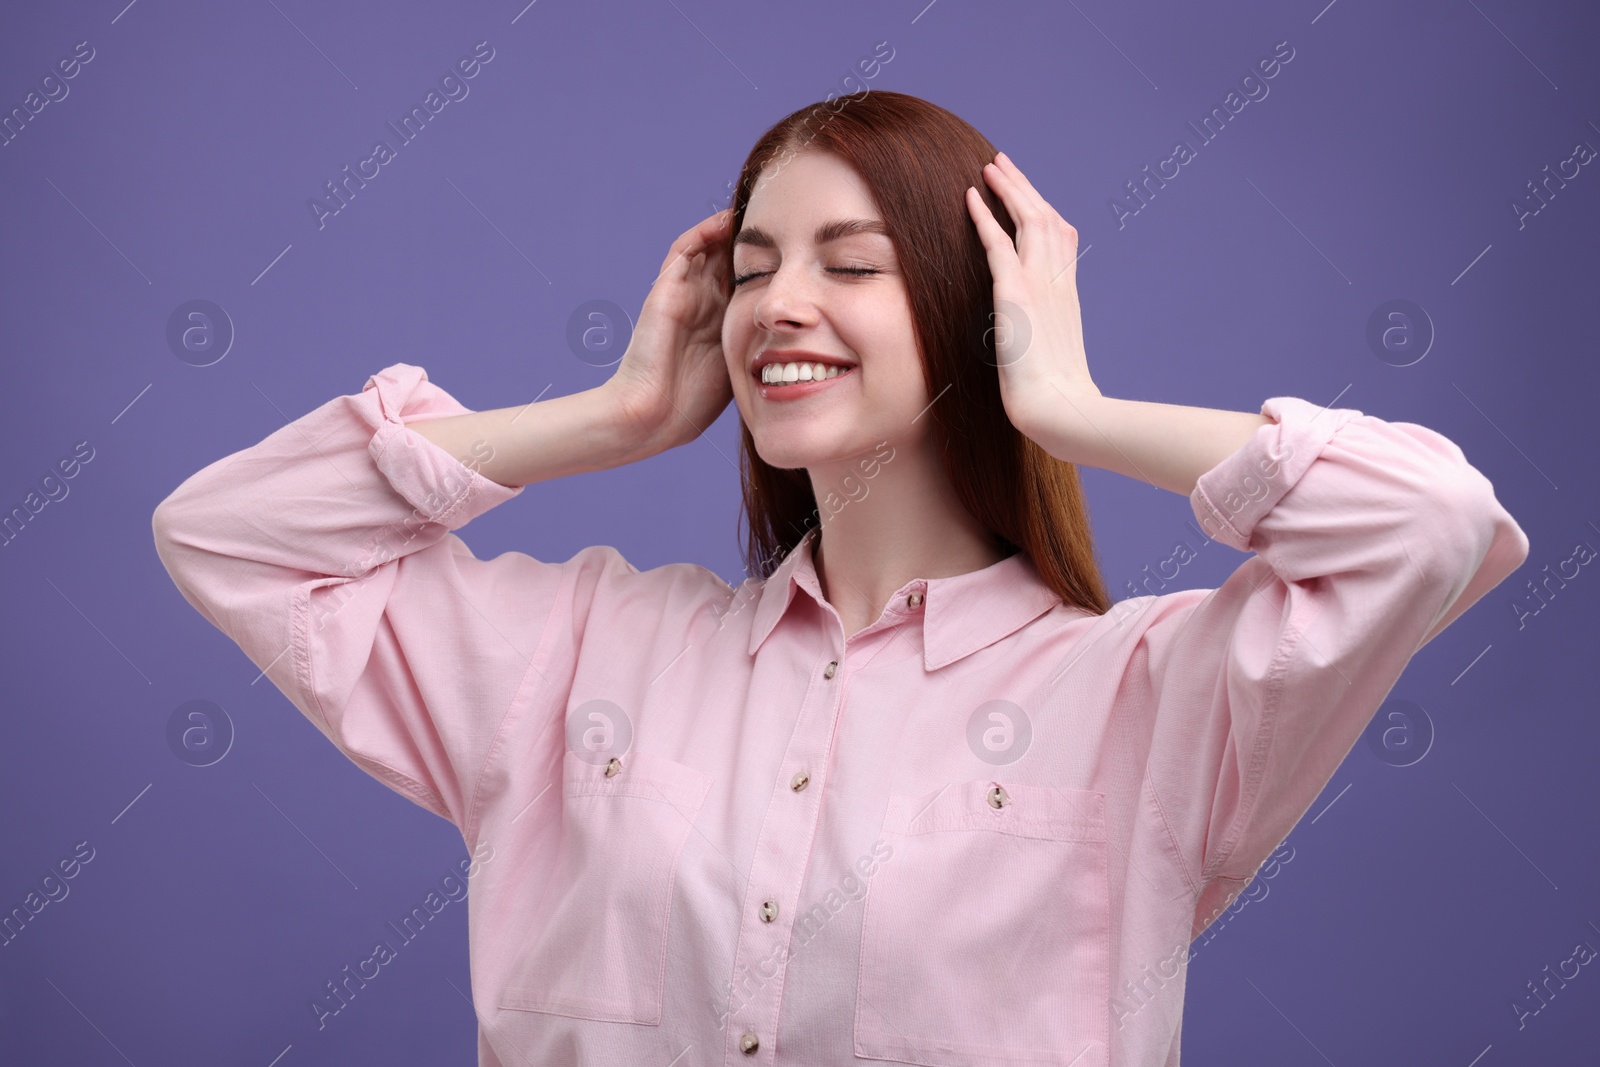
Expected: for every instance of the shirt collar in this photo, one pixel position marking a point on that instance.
(961, 613)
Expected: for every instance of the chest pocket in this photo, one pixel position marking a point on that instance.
(986, 938)
(594, 944)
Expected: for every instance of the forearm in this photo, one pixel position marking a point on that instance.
(1167, 445)
(536, 442)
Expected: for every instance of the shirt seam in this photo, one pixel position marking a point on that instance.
(406, 784)
(299, 610)
(1215, 515)
(461, 498)
(1195, 887)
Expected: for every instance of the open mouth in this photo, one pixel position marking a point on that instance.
(793, 373)
(780, 387)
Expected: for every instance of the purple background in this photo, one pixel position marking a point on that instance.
(1382, 165)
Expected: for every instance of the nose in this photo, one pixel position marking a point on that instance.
(786, 301)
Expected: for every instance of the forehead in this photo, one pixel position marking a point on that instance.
(815, 196)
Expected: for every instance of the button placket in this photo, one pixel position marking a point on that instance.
(782, 855)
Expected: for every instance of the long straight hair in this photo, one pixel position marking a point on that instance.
(917, 159)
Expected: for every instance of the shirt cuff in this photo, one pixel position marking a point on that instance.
(439, 486)
(1230, 498)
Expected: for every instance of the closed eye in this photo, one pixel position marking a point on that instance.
(858, 271)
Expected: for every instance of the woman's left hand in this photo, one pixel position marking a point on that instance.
(1038, 326)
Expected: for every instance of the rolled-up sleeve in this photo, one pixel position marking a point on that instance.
(326, 553)
(1368, 538)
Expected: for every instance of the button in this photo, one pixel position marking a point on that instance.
(749, 1042)
(614, 767)
(798, 782)
(832, 666)
(914, 600)
(769, 910)
(997, 797)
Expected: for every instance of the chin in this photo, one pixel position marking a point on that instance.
(789, 450)
(787, 458)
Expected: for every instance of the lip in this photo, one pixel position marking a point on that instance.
(798, 390)
(794, 355)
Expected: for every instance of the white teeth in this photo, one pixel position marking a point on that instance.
(776, 373)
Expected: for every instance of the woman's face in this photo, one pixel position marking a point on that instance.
(833, 297)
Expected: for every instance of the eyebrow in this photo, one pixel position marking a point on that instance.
(828, 231)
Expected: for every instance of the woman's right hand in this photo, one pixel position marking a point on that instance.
(672, 383)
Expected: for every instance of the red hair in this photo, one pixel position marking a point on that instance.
(916, 160)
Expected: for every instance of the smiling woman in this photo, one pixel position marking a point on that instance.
(857, 252)
(1028, 879)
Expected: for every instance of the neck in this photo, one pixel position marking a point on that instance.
(902, 523)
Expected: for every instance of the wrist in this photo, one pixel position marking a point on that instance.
(632, 426)
(1063, 421)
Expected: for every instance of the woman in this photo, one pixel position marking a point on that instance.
(915, 791)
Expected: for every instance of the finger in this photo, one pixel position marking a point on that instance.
(1032, 233)
(997, 244)
(703, 234)
(676, 251)
(714, 227)
(1044, 239)
(1017, 199)
(706, 263)
(1020, 180)
(1029, 196)
(722, 220)
(679, 261)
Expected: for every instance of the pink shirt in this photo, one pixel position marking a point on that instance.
(981, 831)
